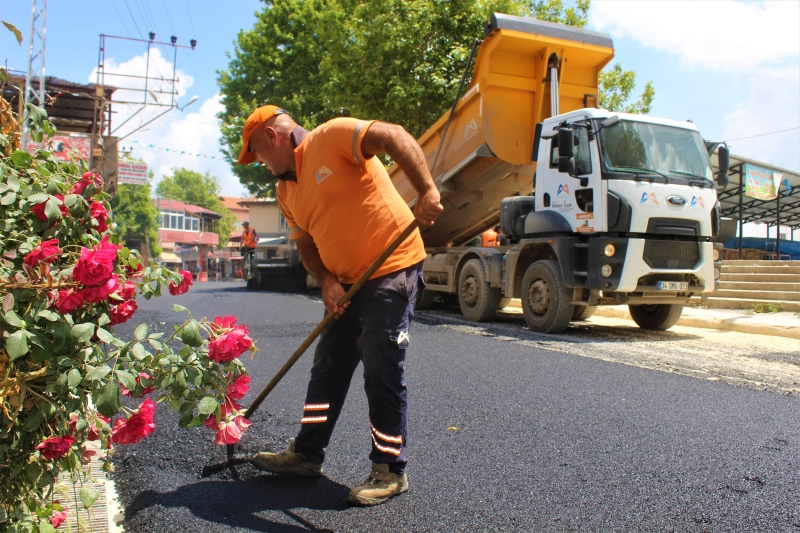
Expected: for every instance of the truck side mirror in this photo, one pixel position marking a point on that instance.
(566, 143)
(723, 162)
(610, 122)
(566, 165)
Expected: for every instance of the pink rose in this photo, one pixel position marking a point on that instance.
(126, 290)
(226, 322)
(100, 293)
(122, 312)
(229, 432)
(88, 178)
(57, 517)
(47, 251)
(227, 407)
(134, 272)
(136, 427)
(38, 209)
(100, 214)
(68, 301)
(145, 392)
(229, 345)
(175, 290)
(95, 266)
(239, 387)
(55, 447)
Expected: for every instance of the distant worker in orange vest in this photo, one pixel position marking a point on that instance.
(249, 239)
(489, 238)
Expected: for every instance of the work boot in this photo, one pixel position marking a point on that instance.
(287, 462)
(379, 486)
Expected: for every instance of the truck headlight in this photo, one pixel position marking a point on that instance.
(605, 270)
(609, 250)
(716, 254)
(716, 273)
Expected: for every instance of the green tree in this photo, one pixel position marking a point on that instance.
(136, 216)
(554, 11)
(616, 86)
(202, 190)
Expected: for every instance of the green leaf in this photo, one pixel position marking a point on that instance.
(207, 405)
(74, 378)
(18, 36)
(13, 319)
(138, 351)
(82, 332)
(48, 315)
(21, 159)
(105, 335)
(190, 334)
(51, 209)
(46, 527)
(127, 379)
(140, 332)
(107, 401)
(71, 200)
(89, 496)
(197, 421)
(32, 422)
(13, 181)
(178, 308)
(17, 344)
(38, 198)
(8, 198)
(98, 373)
(103, 320)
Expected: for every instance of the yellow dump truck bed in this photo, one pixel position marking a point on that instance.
(487, 154)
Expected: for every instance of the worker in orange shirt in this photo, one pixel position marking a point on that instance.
(249, 239)
(343, 211)
(489, 238)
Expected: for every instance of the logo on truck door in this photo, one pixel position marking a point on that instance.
(563, 190)
(647, 198)
(697, 201)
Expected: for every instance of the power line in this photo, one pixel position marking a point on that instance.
(763, 134)
(194, 33)
(169, 17)
(127, 32)
(134, 20)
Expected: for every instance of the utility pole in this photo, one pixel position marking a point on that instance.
(36, 54)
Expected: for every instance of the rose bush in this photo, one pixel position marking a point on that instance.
(65, 281)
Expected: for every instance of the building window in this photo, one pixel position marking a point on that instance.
(195, 224)
(282, 225)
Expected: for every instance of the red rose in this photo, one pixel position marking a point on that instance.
(227, 407)
(57, 517)
(100, 293)
(100, 214)
(55, 447)
(134, 272)
(126, 290)
(226, 322)
(175, 290)
(38, 209)
(239, 387)
(230, 345)
(145, 392)
(88, 178)
(122, 312)
(136, 427)
(230, 431)
(68, 301)
(47, 251)
(95, 266)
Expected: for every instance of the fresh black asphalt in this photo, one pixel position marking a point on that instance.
(503, 437)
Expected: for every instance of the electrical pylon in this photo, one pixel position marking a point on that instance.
(36, 55)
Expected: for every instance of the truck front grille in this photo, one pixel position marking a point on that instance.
(670, 254)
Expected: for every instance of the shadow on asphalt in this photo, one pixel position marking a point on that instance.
(238, 504)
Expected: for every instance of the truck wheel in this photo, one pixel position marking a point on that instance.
(546, 302)
(300, 276)
(425, 299)
(582, 312)
(478, 301)
(657, 317)
(503, 303)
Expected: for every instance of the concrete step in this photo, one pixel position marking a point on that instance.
(762, 295)
(760, 278)
(760, 269)
(767, 285)
(743, 303)
(737, 262)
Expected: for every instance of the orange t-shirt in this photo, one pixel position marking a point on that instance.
(346, 203)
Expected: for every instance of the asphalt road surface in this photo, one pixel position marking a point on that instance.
(509, 431)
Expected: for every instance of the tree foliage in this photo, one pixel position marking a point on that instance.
(136, 216)
(616, 86)
(393, 60)
(202, 190)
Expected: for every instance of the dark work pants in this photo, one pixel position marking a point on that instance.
(374, 331)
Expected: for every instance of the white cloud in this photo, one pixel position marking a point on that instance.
(161, 142)
(773, 105)
(723, 36)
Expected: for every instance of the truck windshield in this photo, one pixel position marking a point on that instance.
(666, 150)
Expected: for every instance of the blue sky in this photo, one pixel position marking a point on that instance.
(732, 67)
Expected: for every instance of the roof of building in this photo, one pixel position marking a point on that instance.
(247, 202)
(234, 203)
(165, 204)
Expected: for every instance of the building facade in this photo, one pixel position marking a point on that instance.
(183, 238)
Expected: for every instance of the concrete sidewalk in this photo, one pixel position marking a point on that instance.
(784, 324)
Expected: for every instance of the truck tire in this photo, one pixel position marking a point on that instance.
(425, 299)
(546, 302)
(478, 301)
(582, 312)
(656, 317)
(300, 276)
(503, 303)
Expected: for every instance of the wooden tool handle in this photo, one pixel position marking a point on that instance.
(330, 317)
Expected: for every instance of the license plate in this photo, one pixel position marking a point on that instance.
(673, 285)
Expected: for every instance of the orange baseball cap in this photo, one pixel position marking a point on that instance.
(254, 121)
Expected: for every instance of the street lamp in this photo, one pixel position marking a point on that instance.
(192, 100)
